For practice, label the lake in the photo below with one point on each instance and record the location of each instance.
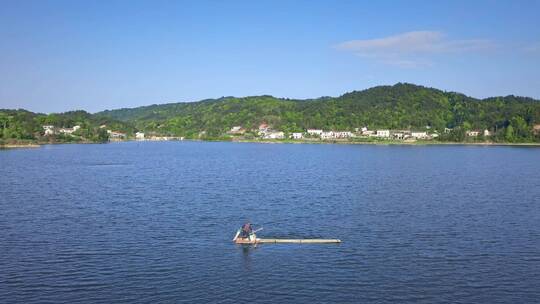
(145, 222)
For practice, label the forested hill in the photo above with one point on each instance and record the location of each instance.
(402, 106)
(22, 125)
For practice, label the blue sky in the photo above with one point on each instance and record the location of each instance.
(95, 55)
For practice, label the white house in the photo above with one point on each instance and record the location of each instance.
(473, 133)
(116, 135)
(297, 135)
(487, 133)
(314, 132)
(139, 136)
(368, 133)
(49, 130)
(69, 130)
(274, 135)
(419, 135)
(398, 135)
(342, 134)
(160, 138)
(327, 135)
(383, 133)
(237, 130)
(364, 129)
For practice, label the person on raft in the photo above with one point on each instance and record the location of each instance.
(247, 230)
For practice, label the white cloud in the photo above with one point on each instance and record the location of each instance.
(412, 49)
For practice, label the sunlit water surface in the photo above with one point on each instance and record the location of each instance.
(146, 222)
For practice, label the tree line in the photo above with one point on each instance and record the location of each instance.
(402, 106)
(23, 125)
(398, 107)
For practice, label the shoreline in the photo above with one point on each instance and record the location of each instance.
(19, 146)
(41, 144)
(390, 143)
(314, 142)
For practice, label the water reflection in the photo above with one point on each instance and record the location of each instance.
(247, 252)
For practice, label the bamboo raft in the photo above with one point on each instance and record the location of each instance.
(285, 241)
(253, 240)
(300, 241)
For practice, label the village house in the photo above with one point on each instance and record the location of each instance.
(398, 135)
(237, 130)
(49, 130)
(139, 136)
(263, 127)
(383, 133)
(69, 130)
(474, 133)
(274, 135)
(297, 135)
(368, 133)
(536, 129)
(116, 135)
(419, 135)
(447, 130)
(487, 133)
(160, 138)
(327, 135)
(342, 134)
(316, 132)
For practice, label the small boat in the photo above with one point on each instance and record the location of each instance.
(252, 239)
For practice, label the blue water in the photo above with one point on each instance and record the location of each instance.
(153, 222)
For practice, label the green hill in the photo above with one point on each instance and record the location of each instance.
(402, 106)
(25, 126)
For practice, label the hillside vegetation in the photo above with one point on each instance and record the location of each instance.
(402, 106)
(25, 126)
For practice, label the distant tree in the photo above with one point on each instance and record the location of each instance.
(509, 133)
(102, 135)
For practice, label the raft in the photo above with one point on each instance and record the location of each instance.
(253, 240)
(283, 241)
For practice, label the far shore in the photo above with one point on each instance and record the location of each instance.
(19, 146)
(286, 141)
(386, 143)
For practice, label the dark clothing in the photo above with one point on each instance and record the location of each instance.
(246, 230)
